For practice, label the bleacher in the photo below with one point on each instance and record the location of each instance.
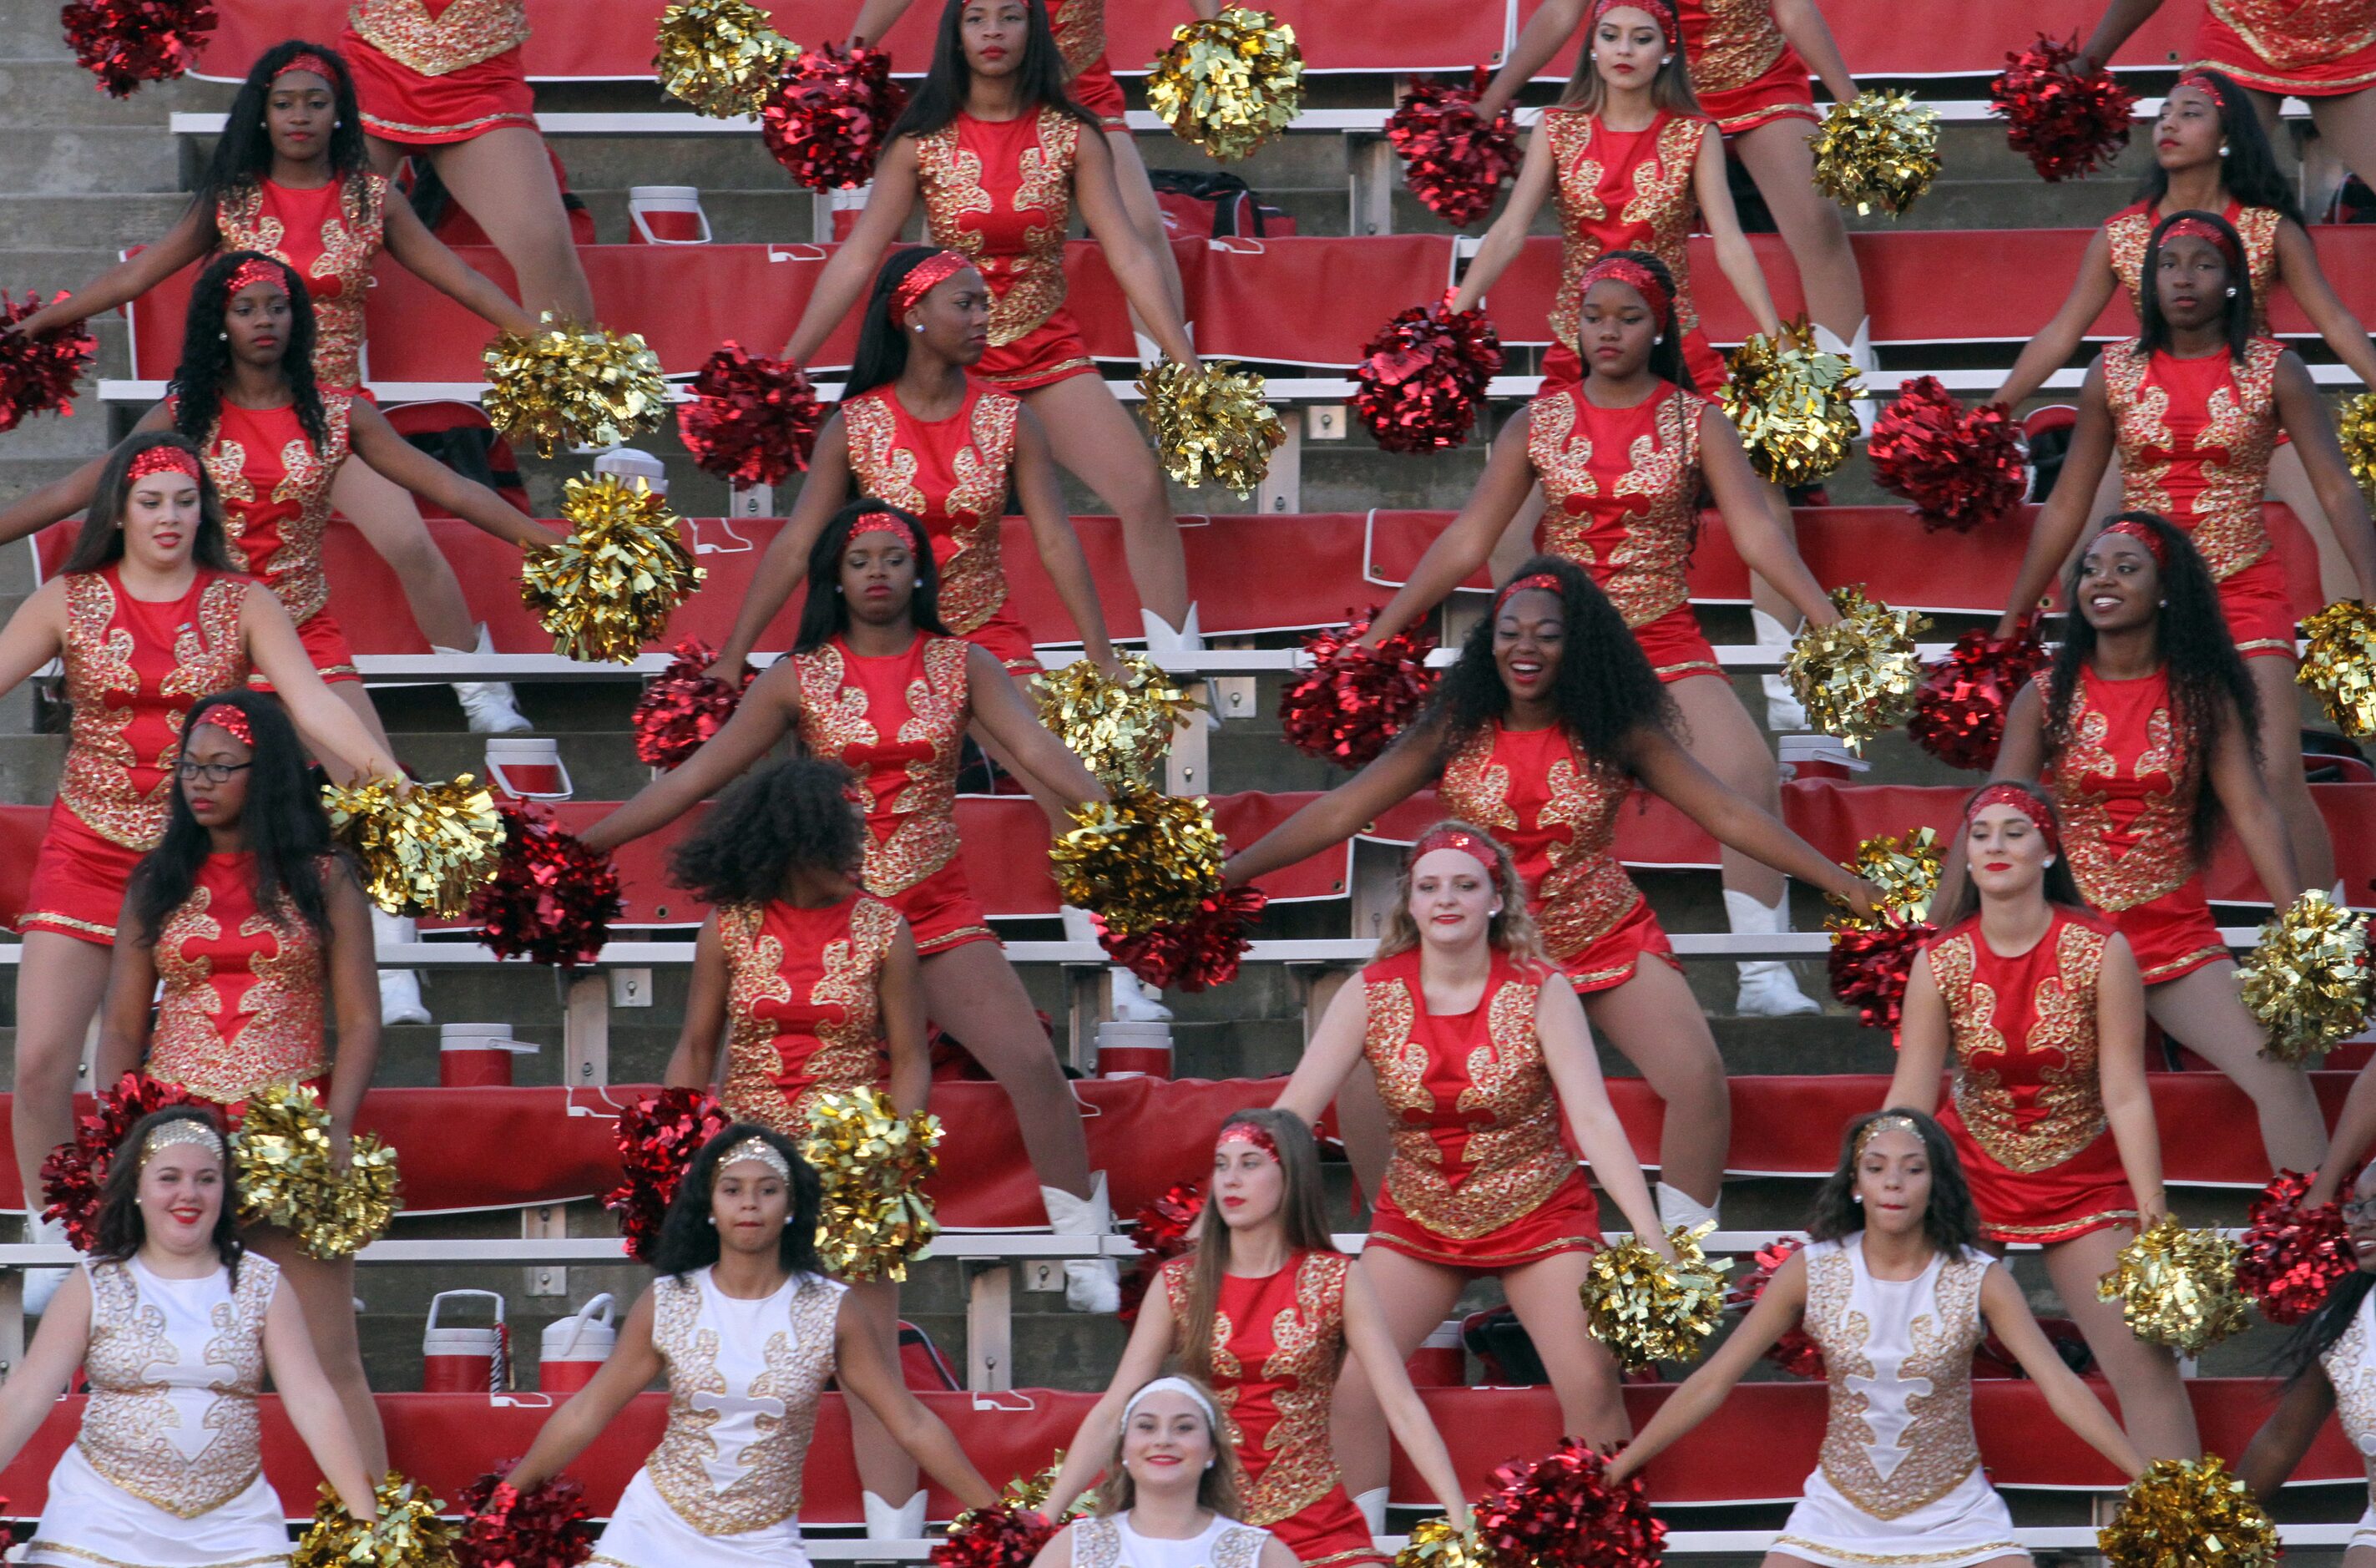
(1955, 289)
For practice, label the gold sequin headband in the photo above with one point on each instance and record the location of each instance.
(1894, 1123)
(758, 1150)
(180, 1130)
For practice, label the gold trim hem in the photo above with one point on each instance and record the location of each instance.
(2179, 967)
(372, 123)
(80, 1555)
(66, 924)
(1904, 1559)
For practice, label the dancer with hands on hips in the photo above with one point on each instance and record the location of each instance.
(2033, 1008)
(744, 1319)
(1172, 1494)
(1894, 1290)
(1265, 1310)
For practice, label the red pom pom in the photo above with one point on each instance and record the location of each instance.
(1190, 954)
(1562, 1512)
(38, 374)
(1161, 1234)
(752, 420)
(545, 1527)
(1960, 466)
(1353, 701)
(2065, 124)
(685, 707)
(1423, 377)
(1796, 1352)
(552, 897)
(73, 1173)
(125, 42)
(999, 1536)
(1959, 712)
(2294, 1257)
(829, 117)
(1452, 160)
(658, 1138)
(1871, 964)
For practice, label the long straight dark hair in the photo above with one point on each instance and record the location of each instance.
(1671, 88)
(2061, 888)
(882, 355)
(1950, 1222)
(2235, 322)
(824, 614)
(101, 541)
(206, 351)
(243, 154)
(1302, 1192)
(2248, 171)
(282, 821)
(941, 94)
(121, 1230)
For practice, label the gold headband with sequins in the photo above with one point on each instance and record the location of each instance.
(758, 1149)
(180, 1130)
(1894, 1123)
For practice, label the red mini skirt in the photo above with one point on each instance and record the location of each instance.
(79, 881)
(399, 104)
(1330, 1533)
(325, 649)
(1096, 90)
(1007, 641)
(1611, 959)
(2311, 68)
(1054, 350)
(2173, 935)
(2259, 611)
(2088, 1192)
(1567, 1221)
(1678, 649)
(943, 912)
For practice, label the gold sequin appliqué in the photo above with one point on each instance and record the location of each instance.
(2154, 854)
(1026, 286)
(849, 1047)
(1646, 571)
(2290, 34)
(2242, 431)
(882, 467)
(799, 1359)
(464, 33)
(1939, 1447)
(973, 579)
(2350, 1364)
(1080, 28)
(939, 708)
(1584, 890)
(125, 1423)
(1309, 1341)
(754, 974)
(1741, 45)
(97, 784)
(2070, 1096)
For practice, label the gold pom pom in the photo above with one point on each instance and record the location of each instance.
(1230, 84)
(1881, 149)
(611, 586)
(568, 385)
(1862, 674)
(1435, 1544)
(407, 1534)
(2306, 982)
(289, 1175)
(1120, 730)
(2178, 1288)
(1793, 404)
(1647, 1310)
(1906, 874)
(873, 1162)
(423, 852)
(2357, 426)
(2188, 1514)
(1140, 860)
(2340, 665)
(1210, 421)
(720, 57)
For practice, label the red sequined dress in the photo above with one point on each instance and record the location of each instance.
(1481, 1177)
(241, 1008)
(898, 721)
(1743, 71)
(2308, 48)
(1621, 499)
(2025, 1102)
(133, 668)
(429, 72)
(2195, 438)
(1277, 1342)
(803, 1004)
(1080, 29)
(275, 484)
(1000, 192)
(1623, 191)
(330, 234)
(2126, 791)
(1555, 809)
(953, 473)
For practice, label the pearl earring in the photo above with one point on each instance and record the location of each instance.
(919, 326)
(1859, 1196)
(2231, 290)
(1658, 337)
(2223, 150)
(223, 337)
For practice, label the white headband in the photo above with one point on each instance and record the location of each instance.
(1175, 1385)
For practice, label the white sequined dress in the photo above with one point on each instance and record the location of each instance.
(2350, 1364)
(1110, 1542)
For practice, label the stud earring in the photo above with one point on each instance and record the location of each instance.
(1859, 1196)
(1657, 337)
(2231, 290)
(223, 337)
(919, 326)
(2223, 150)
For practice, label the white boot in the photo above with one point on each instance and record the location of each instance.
(1091, 1283)
(1769, 988)
(1783, 713)
(400, 990)
(1135, 1001)
(1678, 1207)
(42, 1284)
(490, 706)
(1170, 647)
(885, 1523)
(1857, 351)
(1373, 1504)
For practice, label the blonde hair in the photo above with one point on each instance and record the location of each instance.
(1511, 932)
(1671, 88)
(1299, 1214)
(1218, 1489)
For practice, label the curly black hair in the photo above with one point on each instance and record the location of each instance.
(1666, 353)
(205, 352)
(1950, 1221)
(2235, 322)
(688, 1239)
(2249, 171)
(824, 614)
(2207, 679)
(788, 815)
(243, 154)
(1040, 77)
(2061, 888)
(121, 1231)
(100, 543)
(1603, 689)
(287, 834)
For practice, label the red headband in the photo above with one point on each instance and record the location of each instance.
(163, 459)
(921, 278)
(882, 521)
(1248, 1132)
(2201, 79)
(231, 722)
(308, 60)
(2022, 801)
(1637, 276)
(1516, 586)
(1476, 846)
(257, 270)
(1662, 13)
(2130, 527)
(2222, 239)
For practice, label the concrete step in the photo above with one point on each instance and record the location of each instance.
(85, 220)
(46, 160)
